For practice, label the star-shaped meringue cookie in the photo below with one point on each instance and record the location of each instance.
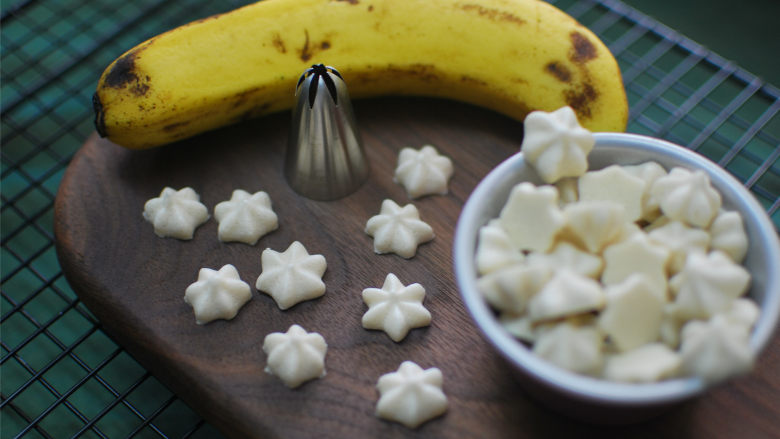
(566, 294)
(681, 240)
(637, 254)
(567, 256)
(217, 294)
(531, 216)
(176, 214)
(245, 217)
(594, 223)
(616, 185)
(555, 144)
(572, 347)
(495, 249)
(729, 236)
(633, 314)
(509, 289)
(292, 276)
(398, 229)
(423, 172)
(687, 196)
(395, 308)
(411, 395)
(295, 356)
(716, 349)
(709, 283)
(645, 364)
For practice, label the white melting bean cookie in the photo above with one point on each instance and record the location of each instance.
(649, 172)
(567, 293)
(634, 275)
(218, 294)
(573, 347)
(398, 229)
(176, 214)
(633, 314)
(647, 363)
(687, 196)
(245, 217)
(568, 256)
(411, 395)
(295, 356)
(716, 348)
(531, 218)
(594, 223)
(616, 185)
(495, 249)
(709, 283)
(395, 308)
(556, 145)
(423, 172)
(728, 235)
(291, 276)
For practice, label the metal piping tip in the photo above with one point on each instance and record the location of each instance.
(325, 158)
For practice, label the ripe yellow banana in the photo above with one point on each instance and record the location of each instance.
(511, 56)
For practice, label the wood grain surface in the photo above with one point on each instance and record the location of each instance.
(134, 283)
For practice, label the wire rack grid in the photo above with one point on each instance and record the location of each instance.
(62, 376)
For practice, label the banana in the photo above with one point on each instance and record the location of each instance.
(510, 56)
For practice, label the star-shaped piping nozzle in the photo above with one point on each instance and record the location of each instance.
(325, 159)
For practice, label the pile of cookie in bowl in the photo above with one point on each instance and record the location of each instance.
(617, 270)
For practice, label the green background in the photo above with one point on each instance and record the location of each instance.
(744, 31)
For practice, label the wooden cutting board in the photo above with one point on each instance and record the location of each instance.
(134, 282)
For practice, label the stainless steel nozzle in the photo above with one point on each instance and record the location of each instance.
(325, 158)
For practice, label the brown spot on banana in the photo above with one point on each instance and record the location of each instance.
(305, 54)
(309, 49)
(472, 80)
(492, 14)
(278, 43)
(582, 95)
(244, 97)
(392, 74)
(252, 113)
(582, 50)
(123, 75)
(581, 98)
(351, 2)
(175, 126)
(424, 72)
(122, 72)
(558, 70)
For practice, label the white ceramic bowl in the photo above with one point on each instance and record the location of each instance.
(589, 398)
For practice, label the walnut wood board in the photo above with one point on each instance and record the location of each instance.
(134, 282)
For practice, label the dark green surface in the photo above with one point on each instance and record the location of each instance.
(62, 373)
(746, 32)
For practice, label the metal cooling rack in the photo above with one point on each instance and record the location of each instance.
(62, 376)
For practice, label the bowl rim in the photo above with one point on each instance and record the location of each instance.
(592, 388)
